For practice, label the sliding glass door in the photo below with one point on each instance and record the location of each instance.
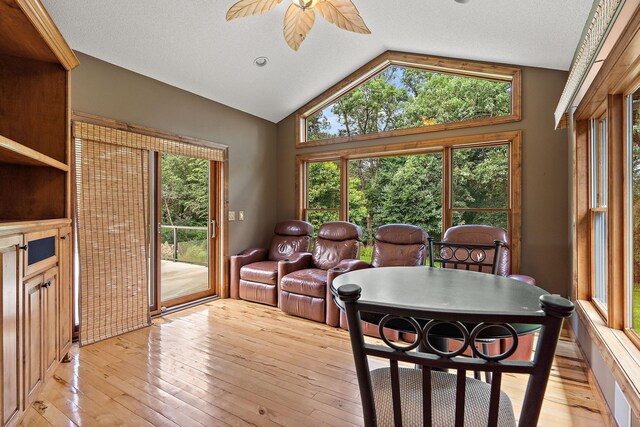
(184, 230)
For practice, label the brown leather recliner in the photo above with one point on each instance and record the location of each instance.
(485, 234)
(304, 277)
(254, 272)
(396, 245)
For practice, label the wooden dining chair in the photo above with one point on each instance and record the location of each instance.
(398, 395)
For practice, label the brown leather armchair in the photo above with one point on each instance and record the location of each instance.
(304, 277)
(395, 245)
(254, 272)
(484, 234)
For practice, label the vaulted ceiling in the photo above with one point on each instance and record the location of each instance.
(189, 44)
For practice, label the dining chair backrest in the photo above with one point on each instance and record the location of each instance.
(483, 235)
(466, 256)
(397, 395)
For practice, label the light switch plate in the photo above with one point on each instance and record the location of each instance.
(240, 215)
(232, 215)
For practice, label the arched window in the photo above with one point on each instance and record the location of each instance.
(400, 94)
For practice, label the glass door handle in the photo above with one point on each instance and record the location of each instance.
(213, 228)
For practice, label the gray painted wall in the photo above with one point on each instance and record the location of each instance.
(103, 89)
(545, 229)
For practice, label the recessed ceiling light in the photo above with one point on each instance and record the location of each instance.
(261, 61)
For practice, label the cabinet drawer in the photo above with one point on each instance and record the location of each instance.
(41, 251)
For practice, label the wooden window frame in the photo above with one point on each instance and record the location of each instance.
(613, 76)
(512, 139)
(597, 204)
(430, 63)
(626, 299)
(616, 207)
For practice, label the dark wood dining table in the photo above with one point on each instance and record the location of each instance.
(444, 290)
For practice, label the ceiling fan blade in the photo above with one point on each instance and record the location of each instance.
(297, 24)
(344, 14)
(250, 7)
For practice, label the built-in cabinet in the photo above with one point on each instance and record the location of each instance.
(32, 337)
(65, 293)
(35, 203)
(37, 322)
(10, 276)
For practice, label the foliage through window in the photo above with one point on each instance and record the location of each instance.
(323, 193)
(411, 189)
(410, 93)
(481, 186)
(184, 203)
(400, 98)
(399, 189)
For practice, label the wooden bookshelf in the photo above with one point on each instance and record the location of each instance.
(14, 153)
(35, 203)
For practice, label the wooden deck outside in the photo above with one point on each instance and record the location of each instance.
(231, 362)
(181, 278)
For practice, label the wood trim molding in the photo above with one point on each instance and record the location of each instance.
(590, 45)
(617, 71)
(40, 19)
(621, 356)
(18, 227)
(582, 254)
(515, 221)
(143, 130)
(432, 63)
(413, 147)
(615, 214)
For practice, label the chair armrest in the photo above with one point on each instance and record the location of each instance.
(332, 314)
(523, 278)
(248, 256)
(345, 266)
(296, 261)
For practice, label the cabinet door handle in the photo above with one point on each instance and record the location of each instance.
(47, 284)
(24, 248)
(64, 237)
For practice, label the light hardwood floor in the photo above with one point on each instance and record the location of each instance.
(235, 363)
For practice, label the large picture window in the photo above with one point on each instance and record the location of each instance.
(399, 94)
(434, 185)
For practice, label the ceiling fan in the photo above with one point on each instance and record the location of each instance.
(300, 16)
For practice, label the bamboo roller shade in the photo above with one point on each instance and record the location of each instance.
(112, 206)
(109, 135)
(112, 190)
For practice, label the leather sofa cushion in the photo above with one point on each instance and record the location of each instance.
(339, 230)
(485, 235)
(401, 234)
(258, 292)
(303, 306)
(311, 282)
(391, 255)
(328, 253)
(261, 272)
(283, 246)
(294, 228)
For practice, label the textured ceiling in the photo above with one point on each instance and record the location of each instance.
(188, 43)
